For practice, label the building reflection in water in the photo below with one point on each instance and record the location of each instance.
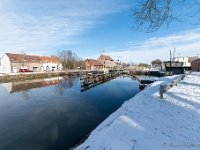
(30, 84)
(61, 84)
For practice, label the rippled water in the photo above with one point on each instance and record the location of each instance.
(53, 114)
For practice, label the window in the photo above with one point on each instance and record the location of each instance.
(15, 59)
(33, 60)
(47, 61)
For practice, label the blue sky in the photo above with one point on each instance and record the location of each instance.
(89, 27)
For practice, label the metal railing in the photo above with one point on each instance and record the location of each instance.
(165, 88)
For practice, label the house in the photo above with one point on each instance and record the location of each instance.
(13, 63)
(107, 61)
(50, 63)
(195, 65)
(186, 61)
(92, 64)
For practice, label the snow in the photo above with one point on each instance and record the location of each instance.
(147, 122)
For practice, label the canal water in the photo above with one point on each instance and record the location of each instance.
(56, 114)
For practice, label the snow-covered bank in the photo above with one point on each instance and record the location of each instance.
(147, 122)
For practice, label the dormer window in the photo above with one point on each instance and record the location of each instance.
(33, 60)
(15, 59)
(47, 61)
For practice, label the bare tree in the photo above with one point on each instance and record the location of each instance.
(144, 65)
(156, 63)
(150, 15)
(69, 59)
(23, 60)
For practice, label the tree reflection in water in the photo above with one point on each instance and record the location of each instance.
(25, 94)
(67, 82)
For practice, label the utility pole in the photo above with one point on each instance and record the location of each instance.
(170, 57)
(174, 54)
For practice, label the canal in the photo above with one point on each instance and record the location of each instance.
(54, 114)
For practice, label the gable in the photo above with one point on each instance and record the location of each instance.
(94, 62)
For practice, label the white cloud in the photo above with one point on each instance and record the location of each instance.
(42, 24)
(185, 43)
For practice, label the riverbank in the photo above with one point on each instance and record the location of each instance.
(14, 77)
(148, 122)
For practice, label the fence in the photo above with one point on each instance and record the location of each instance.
(165, 88)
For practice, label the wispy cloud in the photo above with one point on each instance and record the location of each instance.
(44, 24)
(185, 43)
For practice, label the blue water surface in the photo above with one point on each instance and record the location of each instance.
(54, 114)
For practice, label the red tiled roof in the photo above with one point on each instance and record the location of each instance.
(49, 59)
(94, 62)
(16, 58)
(19, 58)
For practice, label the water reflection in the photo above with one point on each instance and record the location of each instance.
(30, 84)
(24, 87)
(57, 115)
(65, 84)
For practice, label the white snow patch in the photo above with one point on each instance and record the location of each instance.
(147, 122)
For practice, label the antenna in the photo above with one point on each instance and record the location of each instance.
(174, 53)
(170, 57)
(170, 54)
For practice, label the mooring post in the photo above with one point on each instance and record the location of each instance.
(161, 91)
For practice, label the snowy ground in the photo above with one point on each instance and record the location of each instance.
(147, 122)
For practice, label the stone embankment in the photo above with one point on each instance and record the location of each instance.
(28, 76)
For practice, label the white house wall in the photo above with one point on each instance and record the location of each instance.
(5, 64)
(185, 61)
(50, 66)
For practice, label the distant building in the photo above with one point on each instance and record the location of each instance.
(173, 67)
(50, 63)
(12, 63)
(186, 61)
(195, 65)
(92, 64)
(107, 61)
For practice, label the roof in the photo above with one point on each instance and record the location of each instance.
(21, 57)
(29, 58)
(94, 62)
(106, 57)
(196, 61)
(49, 59)
(192, 59)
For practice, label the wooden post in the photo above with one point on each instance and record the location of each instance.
(161, 91)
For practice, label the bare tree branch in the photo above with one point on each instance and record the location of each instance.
(150, 15)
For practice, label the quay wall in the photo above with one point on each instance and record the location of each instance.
(28, 76)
